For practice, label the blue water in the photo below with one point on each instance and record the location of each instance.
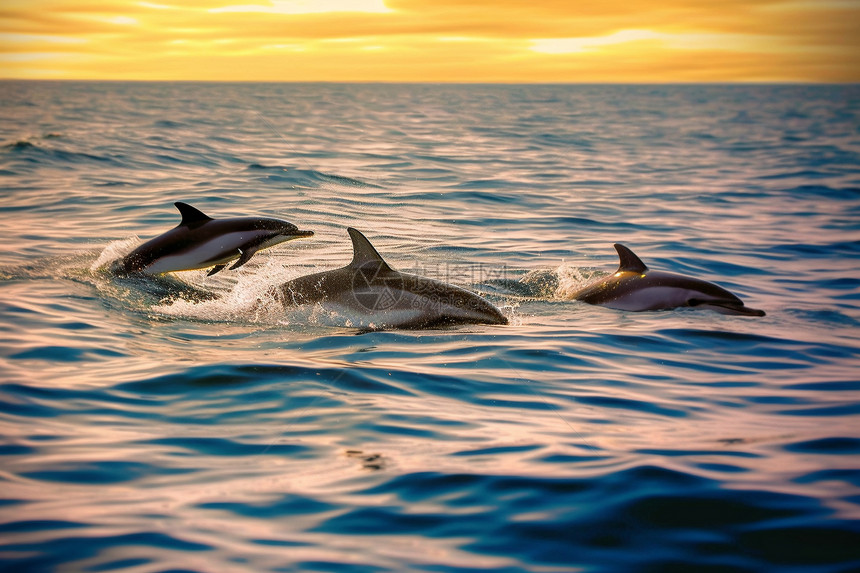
(146, 431)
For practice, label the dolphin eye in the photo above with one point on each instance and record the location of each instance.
(694, 302)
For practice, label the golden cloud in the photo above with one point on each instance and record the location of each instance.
(432, 40)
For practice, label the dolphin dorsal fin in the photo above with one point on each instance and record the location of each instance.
(363, 253)
(191, 215)
(628, 260)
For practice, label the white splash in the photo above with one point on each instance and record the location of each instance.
(115, 250)
(571, 279)
(245, 295)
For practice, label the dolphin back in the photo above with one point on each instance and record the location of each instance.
(191, 216)
(628, 261)
(634, 287)
(363, 253)
(200, 242)
(372, 295)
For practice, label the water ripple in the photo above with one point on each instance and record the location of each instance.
(188, 423)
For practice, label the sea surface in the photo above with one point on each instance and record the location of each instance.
(144, 430)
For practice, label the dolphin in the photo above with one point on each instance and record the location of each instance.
(200, 242)
(381, 297)
(634, 287)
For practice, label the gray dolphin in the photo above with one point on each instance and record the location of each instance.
(379, 297)
(200, 242)
(634, 287)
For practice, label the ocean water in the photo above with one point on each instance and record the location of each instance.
(145, 430)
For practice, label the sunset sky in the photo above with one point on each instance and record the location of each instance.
(433, 40)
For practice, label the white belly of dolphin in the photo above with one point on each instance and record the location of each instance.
(215, 251)
(353, 318)
(383, 307)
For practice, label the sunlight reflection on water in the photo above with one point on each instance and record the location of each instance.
(144, 430)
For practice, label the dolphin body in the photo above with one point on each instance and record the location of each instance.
(634, 287)
(200, 242)
(383, 298)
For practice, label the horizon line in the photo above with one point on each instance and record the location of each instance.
(460, 82)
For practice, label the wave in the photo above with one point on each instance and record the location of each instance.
(308, 178)
(643, 517)
(34, 151)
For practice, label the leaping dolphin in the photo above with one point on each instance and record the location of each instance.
(634, 287)
(200, 242)
(375, 296)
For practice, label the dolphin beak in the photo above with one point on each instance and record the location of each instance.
(734, 308)
(297, 234)
(747, 311)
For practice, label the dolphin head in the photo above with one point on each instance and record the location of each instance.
(656, 290)
(723, 302)
(478, 311)
(284, 230)
(449, 304)
(661, 290)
